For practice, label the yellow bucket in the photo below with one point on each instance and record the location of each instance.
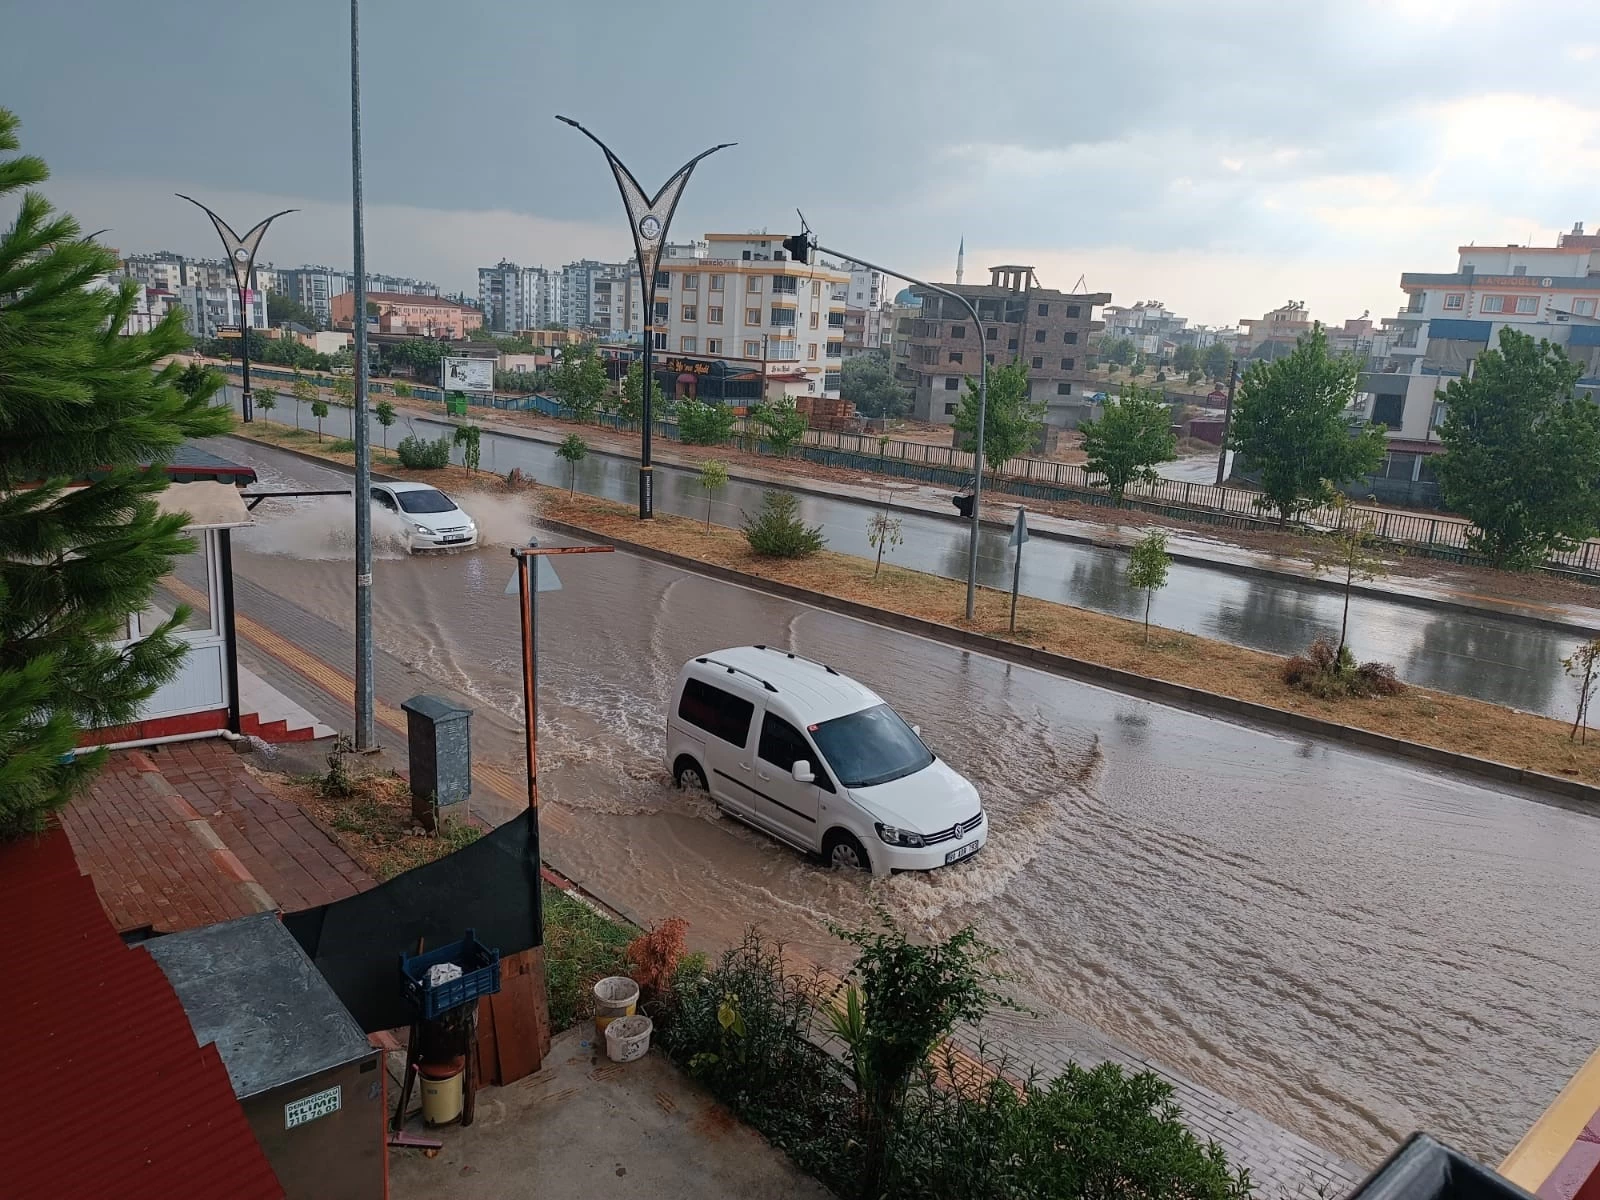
(615, 996)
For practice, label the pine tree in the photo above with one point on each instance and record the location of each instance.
(77, 397)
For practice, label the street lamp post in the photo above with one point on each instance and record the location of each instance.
(799, 247)
(242, 257)
(650, 217)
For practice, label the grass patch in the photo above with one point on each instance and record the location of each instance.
(580, 947)
(342, 446)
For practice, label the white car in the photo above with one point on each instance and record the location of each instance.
(818, 760)
(432, 520)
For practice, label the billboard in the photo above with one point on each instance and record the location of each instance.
(468, 374)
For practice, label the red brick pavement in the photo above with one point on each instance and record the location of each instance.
(182, 835)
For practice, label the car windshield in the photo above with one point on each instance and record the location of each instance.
(870, 747)
(429, 501)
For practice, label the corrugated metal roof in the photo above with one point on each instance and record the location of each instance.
(112, 1097)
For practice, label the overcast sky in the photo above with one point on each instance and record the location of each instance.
(1223, 157)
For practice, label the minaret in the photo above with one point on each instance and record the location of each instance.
(961, 255)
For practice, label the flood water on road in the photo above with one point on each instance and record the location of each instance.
(1472, 654)
(1353, 947)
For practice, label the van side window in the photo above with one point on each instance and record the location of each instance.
(782, 745)
(719, 713)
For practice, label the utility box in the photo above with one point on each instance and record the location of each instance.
(439, 745)
(310, 1083)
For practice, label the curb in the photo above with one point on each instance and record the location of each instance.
(1247, 570)
(1112, 677)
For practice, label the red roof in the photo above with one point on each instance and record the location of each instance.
(111, 1095)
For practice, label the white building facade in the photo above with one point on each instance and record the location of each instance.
(208, 310)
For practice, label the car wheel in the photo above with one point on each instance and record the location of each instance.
(843, 852)
(688, 776)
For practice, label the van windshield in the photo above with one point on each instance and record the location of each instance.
(870, 747)
(429, 501)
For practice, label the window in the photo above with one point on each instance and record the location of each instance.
(958, 331)
(716, 283)
(664, 280)
(713, 345)
(1072, 310)
(1455, 299)
(831, 381)
(1527, 304)
(816, 289)
(689, 345)
(659, 340)
(871, 747)
(1583, 308)
(782, 317)
(1038, 362)
(691, 281)
(1038, 335)
(835, 349)
(752, 316)
(1068, 363)
(951, 383)
(714, 314)
(782, 746)
(691, 312)
(1388, 410)
(785, 285)
(1519, 270)
(836, 320)
(955, 356)
(721, 714)
(950, 408)
(1063, 389)
(991, 333)
(1012, 344)
(752, 349)
(1492, 304)
(815, 318)
(753, 285)
(1044, 310)
(1070, 338)
(663, 308)
(811, 352)
(989, 358)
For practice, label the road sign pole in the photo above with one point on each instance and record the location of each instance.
(1019, 536)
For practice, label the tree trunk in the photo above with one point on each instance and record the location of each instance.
(879, 567)
(1148, 593)
(1344, 623)
(572, 478)
(708, 511)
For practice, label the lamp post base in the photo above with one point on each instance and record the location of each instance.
(247, 406)
(647, 507)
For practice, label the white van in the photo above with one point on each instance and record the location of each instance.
(818, 760)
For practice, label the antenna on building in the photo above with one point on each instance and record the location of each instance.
(961, 259)
(1081, 288)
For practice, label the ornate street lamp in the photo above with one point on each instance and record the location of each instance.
(650, 218)
(241, 253)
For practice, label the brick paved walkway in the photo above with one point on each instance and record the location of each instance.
(183, 835)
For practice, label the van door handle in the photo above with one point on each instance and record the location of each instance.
(762, 775)
(744, 766)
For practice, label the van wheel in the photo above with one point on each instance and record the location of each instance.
(842, 852)
(686, 773)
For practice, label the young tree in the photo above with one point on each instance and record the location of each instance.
(782, 425)
(469, 438)
(266, 399)
(1580, 665)
(777, 530)
(1119, 350)
(1521, 449)
(1185, 359)
(1215, 360)
(1147, 570)
(344, 387)
(580, 381)
(1349, 551)
(385, 414)
(1193, 377)
(402, 391)
(1291, 423)
(573, 451)
(1133, 434)
(701, 424)
(630, 406)
(198, 379)
(282, 307)
(319, 409)
(713, 478)
(883, 531)
(867, 381)
(1011, 423)
(304, 392)
(78, 402)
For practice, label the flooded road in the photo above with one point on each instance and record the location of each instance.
(1353, 947)
(1471, 654)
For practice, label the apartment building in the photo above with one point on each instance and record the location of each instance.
(1153, 328)
(736, 309)
(210, 310)
(501, 297)
(866, 298)
(937, 350)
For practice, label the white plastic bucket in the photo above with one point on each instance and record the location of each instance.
(615, 996)
(628, 1038)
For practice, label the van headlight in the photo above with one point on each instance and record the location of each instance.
(898, 837)
(422, 529)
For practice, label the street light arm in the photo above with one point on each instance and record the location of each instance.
(983, 406)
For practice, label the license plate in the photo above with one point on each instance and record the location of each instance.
(456, 537)
(961, 852)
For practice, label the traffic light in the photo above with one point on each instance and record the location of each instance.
(799, 247)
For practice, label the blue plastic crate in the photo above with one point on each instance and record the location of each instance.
(480, 976)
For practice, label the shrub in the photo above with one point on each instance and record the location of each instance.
(1331, 674)
(654, 956)
(416, 454)
(702, 424)
(342, 446)
(778, 532)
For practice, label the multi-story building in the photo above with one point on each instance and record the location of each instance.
(865, 298)
(1153, 329)
(937, 349)
(162, 270)
(737, 310)
(1274, 334)
(314, 288)
(1549, 292)
(208, 310)
(502, 297)
(414, 315)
